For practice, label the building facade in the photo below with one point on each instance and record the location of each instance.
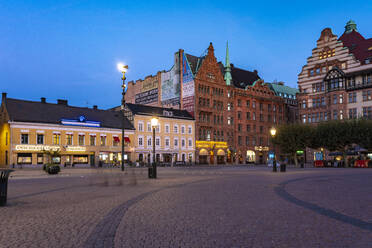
(229, 128)
(174, 135)
(86, 136)
(336, 82)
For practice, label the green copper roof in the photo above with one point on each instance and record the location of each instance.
(282, 90)
(350, 26)
(228, 76)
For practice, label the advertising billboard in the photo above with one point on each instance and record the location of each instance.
(149, 91)
(170, 86)
(188, 87)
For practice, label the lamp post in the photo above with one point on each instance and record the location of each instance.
(154, 124)
(123, 69)
(273, 133)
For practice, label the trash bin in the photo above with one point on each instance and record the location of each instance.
(4, 175)
(283, 167)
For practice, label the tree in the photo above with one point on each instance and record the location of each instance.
(293, 137)
(51, 154)
(337, 135)
(364, 134)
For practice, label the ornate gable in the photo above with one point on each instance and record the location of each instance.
(210, 70)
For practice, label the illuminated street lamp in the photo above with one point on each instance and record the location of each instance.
(273, 133)
(154, 124)
(123, 69)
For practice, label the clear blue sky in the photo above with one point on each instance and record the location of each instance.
(69, 49)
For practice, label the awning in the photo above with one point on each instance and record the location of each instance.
(116, 139)
(126, 139)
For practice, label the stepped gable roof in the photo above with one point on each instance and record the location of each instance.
(158, 111)
(194, 62)
(39, 112)
(358, 45)
(241, 78)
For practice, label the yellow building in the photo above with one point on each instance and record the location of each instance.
(30, 131)
(174, 135)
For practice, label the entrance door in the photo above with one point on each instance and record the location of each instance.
(92, 160)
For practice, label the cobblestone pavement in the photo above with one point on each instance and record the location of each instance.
(191, 207)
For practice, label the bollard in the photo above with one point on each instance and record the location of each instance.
(4, 175)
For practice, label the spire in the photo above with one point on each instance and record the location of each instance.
(350, 26)
(227, 77)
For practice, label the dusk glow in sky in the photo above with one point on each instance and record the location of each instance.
(69, 49)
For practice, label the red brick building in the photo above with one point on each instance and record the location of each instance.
(233, 108)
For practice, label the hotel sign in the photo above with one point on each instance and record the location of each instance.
(211, 144)
(36, 148)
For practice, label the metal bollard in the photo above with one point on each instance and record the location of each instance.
(4, 175)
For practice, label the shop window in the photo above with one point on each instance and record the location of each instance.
(24, 158)
(80, 159)
(24, 138)
(40, 139)
(40, 158)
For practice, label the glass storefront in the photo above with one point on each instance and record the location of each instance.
(80, 159)
(24, 158)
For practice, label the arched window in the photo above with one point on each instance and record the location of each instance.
(335, 79)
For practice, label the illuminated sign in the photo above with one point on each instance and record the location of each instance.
(80, 121)
(75, 149)
(211, 144)
(36, 148)
(261, 148)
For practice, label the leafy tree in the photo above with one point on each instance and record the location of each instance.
(293, 137)
(51, 154)
(364, 134)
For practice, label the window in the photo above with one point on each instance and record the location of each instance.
(140, 126)
(24, 138)
(253, 104)
(56, 139)
(311, 72)
(322, 101)
(352, 113)
(335, 114)
(183, 129)
(69, 139)
(239, 115)
(248, 103)
(367, 112)
(261, 129)
(157, 141)
(149, 129)
(166, 128)
(230, 120)
(183, 143)
(40, 158)
(261, 106)
(248, 128)
(190, 142)
(239, 140)
(176, 142)
(92, 140)
(303, 118)
(367, 95)
(149, 139)
(254, 116)
(140, 141)
(175, 128)
(341, 98)
(335, 99)
(81, 140)
(239, 103)
(304, 104)
(103, 140)
(239, 127)
(40, 139)
(317, 70)
(248, 115)
(166, 142)
(190, 129)
(246, 140)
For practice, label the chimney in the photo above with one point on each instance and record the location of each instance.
(62, 102)
(95, 107)
(3, 97)
(43, 100)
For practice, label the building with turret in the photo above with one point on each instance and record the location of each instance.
(336, 81)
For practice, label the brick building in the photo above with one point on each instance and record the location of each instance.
(232, 107)
(336, 82)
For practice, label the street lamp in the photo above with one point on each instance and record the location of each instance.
(154, 124)
(273, 133)
(123, 69)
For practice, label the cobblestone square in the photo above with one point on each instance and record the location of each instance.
(189, 207)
